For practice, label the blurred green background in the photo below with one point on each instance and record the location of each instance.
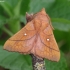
(12, 19)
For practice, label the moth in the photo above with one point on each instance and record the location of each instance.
(36, 37)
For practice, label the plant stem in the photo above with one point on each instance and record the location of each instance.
(37, 63)
(7, 31)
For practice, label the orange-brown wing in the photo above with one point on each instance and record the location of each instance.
(46, 46)
(22, 41)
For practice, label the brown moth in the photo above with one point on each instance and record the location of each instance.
(35, 38)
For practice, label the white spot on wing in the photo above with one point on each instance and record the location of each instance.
(48, 39)
(25, 34)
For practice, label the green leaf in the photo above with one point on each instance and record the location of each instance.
(12, 3)
(7, 8)
(1, 10)
(24, 7)
(61, 65)
(16, 61)
(2, 21)
(37, 5)
(61, 24)
(60, 9)
(17, 8)
(23, 19)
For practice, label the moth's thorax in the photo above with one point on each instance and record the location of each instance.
(41, 23)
